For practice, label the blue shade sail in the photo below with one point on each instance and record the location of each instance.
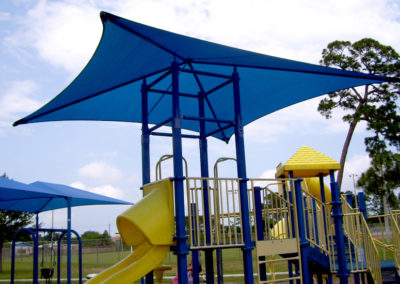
(108, 88)
(41, 196)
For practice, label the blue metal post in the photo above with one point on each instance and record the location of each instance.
(69, 274)
(302, 231)
(145, 136)
(349, 199)
(146, 151)
(337, 215)
(361, 204)
(209, 261)
(181, 247)
(241, 171)
(260, 229)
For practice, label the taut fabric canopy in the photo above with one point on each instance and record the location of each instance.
(108, 88)
(41, 196)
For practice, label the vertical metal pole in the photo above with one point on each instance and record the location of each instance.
(349, 199)
(260, 229)
(146, 151)
(69, 242)
(181, 247)
(241, 172)
(361, 204)
(339, 234)
(145, 136)
(302, 232)
(209, 260)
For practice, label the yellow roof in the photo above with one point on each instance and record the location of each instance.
(307, 162)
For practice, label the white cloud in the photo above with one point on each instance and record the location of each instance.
(106, 190)
(65, 33)
(17, 100)
(356, 165)
(100, 171)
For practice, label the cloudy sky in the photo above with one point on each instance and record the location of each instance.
(45, 44)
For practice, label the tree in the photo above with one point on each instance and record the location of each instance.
(10, 223)
(374, 104)
(380, 182)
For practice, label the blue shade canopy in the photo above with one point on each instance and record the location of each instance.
(11, 192)
(108, 88)
(42, 196)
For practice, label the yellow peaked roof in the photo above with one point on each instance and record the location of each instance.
(307, 162)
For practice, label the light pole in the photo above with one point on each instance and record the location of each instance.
(354, 188)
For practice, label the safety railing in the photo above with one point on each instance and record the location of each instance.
(219, 224)
(279, 230)
(371, 252)
(316, 221)
(277, 210)
(395, 224)
(362, 253)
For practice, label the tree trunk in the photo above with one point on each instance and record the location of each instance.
(350, 132)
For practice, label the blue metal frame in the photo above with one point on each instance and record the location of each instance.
(241, 172)
(34, 232)
(337, 215)
(181, 246)
(181, 249)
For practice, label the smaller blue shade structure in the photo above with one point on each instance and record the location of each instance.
(108, 88)
(12, 192)
(42, 196)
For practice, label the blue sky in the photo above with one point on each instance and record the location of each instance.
(45, 44)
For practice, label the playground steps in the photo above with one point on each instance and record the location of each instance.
(390, 274)
(272, 252)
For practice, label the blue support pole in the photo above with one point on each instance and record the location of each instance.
(302, 230)
(69, 274)
(260, 229)
(181, 247)
(209, 260)
(241, 171)
(337, 215)
(349, 198)
(146, 152)
(361, 204)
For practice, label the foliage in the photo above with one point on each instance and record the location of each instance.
(94, 238)
(375, 104)
(380, 181)
(10, 223)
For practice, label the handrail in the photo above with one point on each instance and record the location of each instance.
(164, 158)
(316, 221)
(395, 220)
(371, 252)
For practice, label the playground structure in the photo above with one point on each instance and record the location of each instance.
(146, 75)
(293, 220)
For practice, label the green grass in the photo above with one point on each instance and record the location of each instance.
(94, 263)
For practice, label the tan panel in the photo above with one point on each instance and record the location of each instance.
(275, 247)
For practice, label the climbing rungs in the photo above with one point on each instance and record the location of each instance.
(276, 247)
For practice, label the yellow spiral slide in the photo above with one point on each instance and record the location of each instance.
(149, 227)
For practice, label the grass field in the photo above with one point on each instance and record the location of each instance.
(94, 263)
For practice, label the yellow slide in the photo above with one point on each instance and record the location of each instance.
(149, 227)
